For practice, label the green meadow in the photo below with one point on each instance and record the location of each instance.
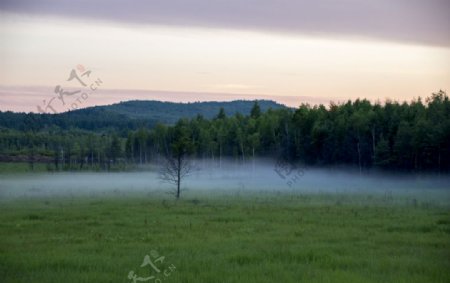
(225, 238)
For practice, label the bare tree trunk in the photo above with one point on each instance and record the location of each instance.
(31, 159)
(253, 161)
(178, 177)
(415, 162)
(373, 142)
(286, 129)
(62, 158)
(220, 155)
(439, 160)
(359, 158)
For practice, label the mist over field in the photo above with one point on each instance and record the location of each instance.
(229, 177)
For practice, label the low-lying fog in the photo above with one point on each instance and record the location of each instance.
(263, 176)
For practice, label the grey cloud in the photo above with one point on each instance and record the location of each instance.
(418, 21)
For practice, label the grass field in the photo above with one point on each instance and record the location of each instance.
(252, 238)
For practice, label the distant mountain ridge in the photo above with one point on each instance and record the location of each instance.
(130, 114)
(170, 112)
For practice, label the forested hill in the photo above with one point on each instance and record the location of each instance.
(170, 113)
(128, 115)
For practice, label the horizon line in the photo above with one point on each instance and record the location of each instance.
(220, 97)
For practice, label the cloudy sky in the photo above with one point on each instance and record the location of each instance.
(189, 50)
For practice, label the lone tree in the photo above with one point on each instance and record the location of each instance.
(177, 165)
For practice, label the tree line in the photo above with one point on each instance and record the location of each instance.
(393, 136)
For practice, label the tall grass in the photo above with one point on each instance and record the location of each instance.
(252, 238)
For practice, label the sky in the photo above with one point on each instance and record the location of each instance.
(292, 52)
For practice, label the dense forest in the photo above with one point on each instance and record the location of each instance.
(394, 136)
(128, 115)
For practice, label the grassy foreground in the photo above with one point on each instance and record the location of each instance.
(267, 238)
